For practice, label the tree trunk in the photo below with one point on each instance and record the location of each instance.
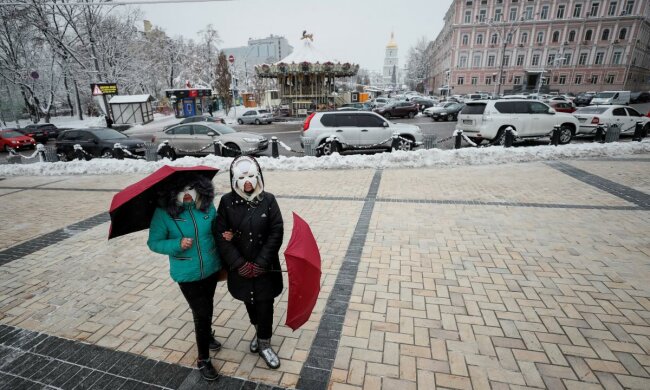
(78, 100)
(67, 94)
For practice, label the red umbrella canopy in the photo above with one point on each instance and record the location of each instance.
(132, 208)
(303, 265)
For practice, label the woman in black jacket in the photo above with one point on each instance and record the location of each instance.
(251, 257)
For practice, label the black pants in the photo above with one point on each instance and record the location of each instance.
(261, 314)
(200, 296)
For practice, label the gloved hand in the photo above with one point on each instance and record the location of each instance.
(257, 270)
(250, 270)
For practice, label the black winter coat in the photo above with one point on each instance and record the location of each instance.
(257, 236)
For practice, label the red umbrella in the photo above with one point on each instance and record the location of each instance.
(133, 207)
(303, 265)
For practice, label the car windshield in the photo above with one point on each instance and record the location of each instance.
(109, 134)
(221, 128)
(604, 95)
(263, 111)
(11, 134)
(591, 110)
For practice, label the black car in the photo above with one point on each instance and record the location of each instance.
(583, 99)
(40, 132)
(99, 142)
(422, 103)
(640, 97)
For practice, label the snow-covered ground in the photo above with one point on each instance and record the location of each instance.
(414, 159)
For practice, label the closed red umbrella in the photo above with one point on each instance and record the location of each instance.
(132, 208)
(303, 265)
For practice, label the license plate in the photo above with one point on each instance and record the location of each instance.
(467, 121)
(139, 150)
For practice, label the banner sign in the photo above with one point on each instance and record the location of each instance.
(103, 89)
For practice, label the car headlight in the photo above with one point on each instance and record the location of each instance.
(251, 140)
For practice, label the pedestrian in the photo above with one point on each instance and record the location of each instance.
(109, 121)
(254, 275)
(210, 107)
(182, 228)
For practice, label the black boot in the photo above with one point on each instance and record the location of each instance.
(254, 347)
(214, 344)
(268, 354)
(207, 370)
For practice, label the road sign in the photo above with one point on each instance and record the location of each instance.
(104, 89)
(231, 58)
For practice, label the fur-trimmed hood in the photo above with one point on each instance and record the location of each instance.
(203, 186)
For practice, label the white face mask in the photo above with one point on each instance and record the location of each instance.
(244, 171)
(189, 190)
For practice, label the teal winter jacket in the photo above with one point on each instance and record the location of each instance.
(165, 234)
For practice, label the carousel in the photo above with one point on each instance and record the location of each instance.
(306, 78)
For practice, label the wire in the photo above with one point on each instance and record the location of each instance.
(109, 3)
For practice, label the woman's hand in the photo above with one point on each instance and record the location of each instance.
(227, 235)
(186, 243)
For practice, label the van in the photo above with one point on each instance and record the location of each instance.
(611, 97)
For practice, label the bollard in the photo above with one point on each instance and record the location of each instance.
(336, 145)
(40, 149)
(118, 152)
(459, 138)
(510, 137)
(600, 134)
(275, 153)
(166, 151)
(555, 135)
(613, 133)
(395, 142)
(79, 152)
(638, 132)
(217, 148)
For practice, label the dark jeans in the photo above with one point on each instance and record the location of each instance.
(200, 296)
(261, 314)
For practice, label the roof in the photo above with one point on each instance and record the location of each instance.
(392, 44)
(125, 99)
(306, 52)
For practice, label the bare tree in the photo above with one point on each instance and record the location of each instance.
(223, 81)
(417, 65)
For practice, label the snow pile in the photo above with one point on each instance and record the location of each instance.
(414, 159)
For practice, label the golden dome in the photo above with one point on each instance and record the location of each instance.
(392, 44)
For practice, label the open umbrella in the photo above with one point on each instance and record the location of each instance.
(132, 208)
(303, 264)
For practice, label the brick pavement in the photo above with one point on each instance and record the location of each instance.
(424, 291)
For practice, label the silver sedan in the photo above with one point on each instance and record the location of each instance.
(255, 116)
(198, 139)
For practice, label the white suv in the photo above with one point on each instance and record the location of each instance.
(357, 129)
(488, 119)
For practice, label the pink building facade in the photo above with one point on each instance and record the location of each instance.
(542, 45)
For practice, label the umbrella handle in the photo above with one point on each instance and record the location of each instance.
(276, 270)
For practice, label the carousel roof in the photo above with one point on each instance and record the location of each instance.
(306, 52)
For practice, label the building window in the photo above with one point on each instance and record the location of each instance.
(629, 8)
(578, 79)
(461, 80)
(556, 36)
(609, 79)
(605, 35)
(616, 58)
(599, 58)
(594, 79)
(506, 60)
(528, 15)
(474, 80)
(494, 39)
(535, 60)
(462, 63)
(595, 7)
(540, 37)
(550, 59)
(498, 14)
(479, 39)
(577, 10)
(465, 39)
(490, 61)
(517, 80)
(582, 60)
(488, 80)
(477, 61)
(513, 14)
(544, 13)
(588, 35)
(612, 8)
(482, 15)
(567, 59)
(468, 2)
(468, 16)
(622, 34)
(562, 80)
(524, 37)
(520, 60)
(560, 11)
(572, 35)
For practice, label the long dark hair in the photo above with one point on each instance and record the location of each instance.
(201, 184)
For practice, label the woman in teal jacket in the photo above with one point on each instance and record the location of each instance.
(182, 229)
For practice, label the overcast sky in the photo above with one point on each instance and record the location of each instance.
(349, 30)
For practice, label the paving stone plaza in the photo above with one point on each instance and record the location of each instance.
(530, 275)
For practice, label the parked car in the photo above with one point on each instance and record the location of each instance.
(444, 111)
(98, 142)
(358, 129)
(422, 102)
(401, 108)
(640, 97)
(379, 101)
(584, 99)
(41, 132)
(11, 138)
(198, 138)
(625, 117)
(255, 116)
(355, 107)
(611, 97)
(198, 118)
(561, 105)
(488, 120)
